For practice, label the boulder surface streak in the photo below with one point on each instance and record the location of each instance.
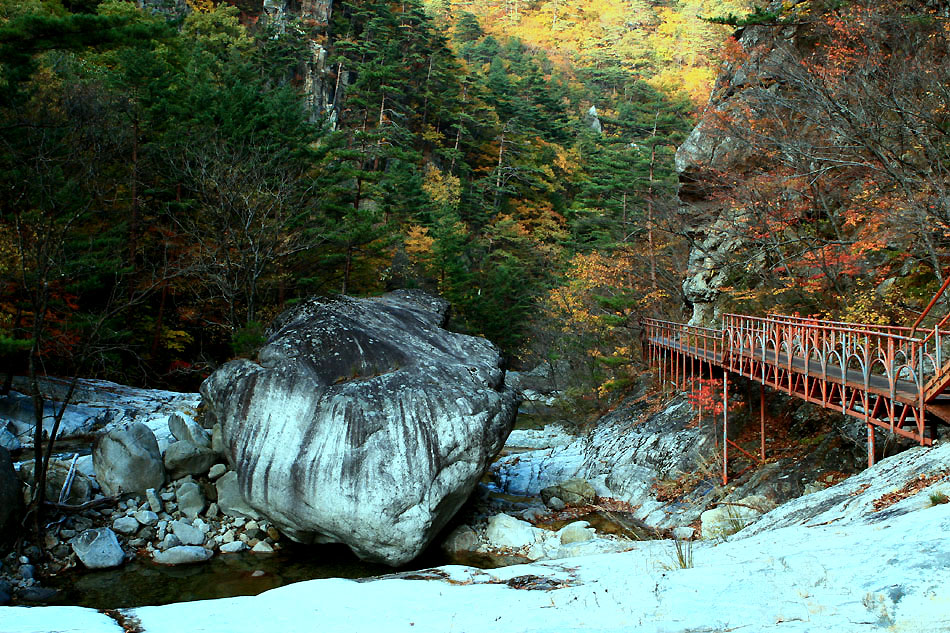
(363, 422)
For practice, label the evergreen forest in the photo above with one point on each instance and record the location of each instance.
(174, 174)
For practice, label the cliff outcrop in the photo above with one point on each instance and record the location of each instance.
(816, 177)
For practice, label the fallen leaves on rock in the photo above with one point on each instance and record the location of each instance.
(604, 504)
(535, 583)
(909, 489)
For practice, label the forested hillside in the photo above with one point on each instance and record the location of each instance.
(817, 177)
(175, 175)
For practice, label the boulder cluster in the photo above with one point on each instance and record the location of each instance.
(180, 507)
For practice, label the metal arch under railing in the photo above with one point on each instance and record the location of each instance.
(862, 347)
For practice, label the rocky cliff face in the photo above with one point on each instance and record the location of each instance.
(310, 19)
(715, 156)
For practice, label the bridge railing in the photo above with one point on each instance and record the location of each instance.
(707, 341)
(836, 347)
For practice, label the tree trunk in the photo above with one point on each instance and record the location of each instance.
(652, 253)
(134, 224)
(501, 153)
(346, 269)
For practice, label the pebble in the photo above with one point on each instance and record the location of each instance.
(24, 560)
(212, 511)
(188, 534)
(228, 537)
(262, 547)
(169, 542)
(167, 495)
(125, 525)
(27, 571)
(216, 471)
(273, 533)
(191, 501)
(146, 517)
(98, 548)
(233, 547)
(239, 522)
(154, 503)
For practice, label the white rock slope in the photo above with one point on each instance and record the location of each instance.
(840, 568)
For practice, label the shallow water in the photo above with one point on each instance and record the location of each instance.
(142, 582)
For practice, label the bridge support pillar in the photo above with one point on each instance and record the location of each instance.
(870, 444)
(725, 428)
(762, 421)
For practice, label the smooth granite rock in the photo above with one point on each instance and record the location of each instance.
(363, 422)
(182, 555)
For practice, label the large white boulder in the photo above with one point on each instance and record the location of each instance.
(363, 422)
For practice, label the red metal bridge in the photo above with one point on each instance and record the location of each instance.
(893, 378)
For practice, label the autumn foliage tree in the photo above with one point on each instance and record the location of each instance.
(847, 123)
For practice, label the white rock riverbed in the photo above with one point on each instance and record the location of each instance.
(839, 566)
(96, 406)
